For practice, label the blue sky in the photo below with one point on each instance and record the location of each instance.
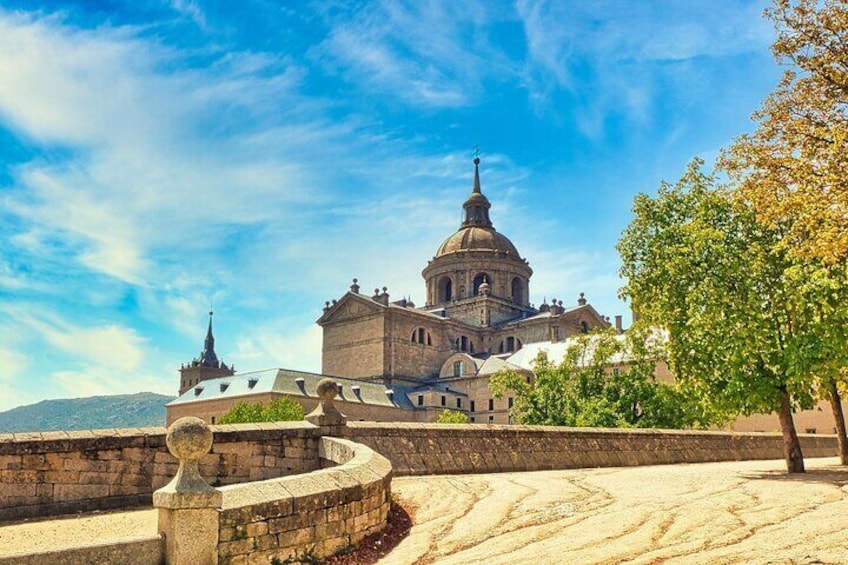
(156, 156)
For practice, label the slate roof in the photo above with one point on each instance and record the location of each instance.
(285, 381)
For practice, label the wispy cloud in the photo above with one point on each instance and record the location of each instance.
(191, 10)
(611, 56)
(429, 54)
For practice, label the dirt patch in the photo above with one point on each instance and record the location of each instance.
(376, 546)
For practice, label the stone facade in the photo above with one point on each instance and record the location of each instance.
(478, 303)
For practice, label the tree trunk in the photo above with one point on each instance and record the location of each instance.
(791, 445)
(839, 418)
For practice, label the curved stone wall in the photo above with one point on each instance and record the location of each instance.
(316, 514)
(62, 472)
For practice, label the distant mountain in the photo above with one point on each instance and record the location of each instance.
(119, 411)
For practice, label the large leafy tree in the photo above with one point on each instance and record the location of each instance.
(278, 410)
(792, 168)
(750, 325)
(604, 380)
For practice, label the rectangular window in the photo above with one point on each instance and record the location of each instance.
(473, 408)
(213, 419)
(491, 419)
(528, 379)
(444, 400)
(472, 419)
(420, 335)
(457, 368)
(420, 400)
(615, 371)
(459, 403)
(556, 333)
(510, 402)
(491, 404)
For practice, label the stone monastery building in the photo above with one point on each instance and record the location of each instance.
(397, 361)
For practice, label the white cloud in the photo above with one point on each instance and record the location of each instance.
(94, 381)
(118, 348)
(609, 56)
(277, 346)
(429, 54)
(143, 174)
(191, 10)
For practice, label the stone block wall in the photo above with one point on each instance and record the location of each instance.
(427, 449)
(313, 515)
(62, 472)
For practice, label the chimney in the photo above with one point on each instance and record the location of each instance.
(618, 326)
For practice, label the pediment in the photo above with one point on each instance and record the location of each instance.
(350, 307)
(588, 311)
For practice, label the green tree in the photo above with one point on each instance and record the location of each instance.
(604, 380)
(452, 417)
(750, 326)
(278, 410)
(792, 168)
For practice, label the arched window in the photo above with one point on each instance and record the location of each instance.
(445, 289)
(584, 327)
(517, 291)
(422, 336)
(509, 345)
(478, 280)
(464, 344)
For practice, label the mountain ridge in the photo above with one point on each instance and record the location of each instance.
(88, 413)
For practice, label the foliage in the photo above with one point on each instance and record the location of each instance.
(452, 417)
(750, 325)
(604, 380)
(278, 410)
(792, 169)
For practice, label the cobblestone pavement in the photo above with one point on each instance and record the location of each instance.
(740, 512)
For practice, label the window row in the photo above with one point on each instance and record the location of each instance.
(446, 291)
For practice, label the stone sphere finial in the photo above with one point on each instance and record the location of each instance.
(327, 390)
(189, 438)
(326, 413)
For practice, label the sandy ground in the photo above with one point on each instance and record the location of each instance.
(90, 529)
(715, 513)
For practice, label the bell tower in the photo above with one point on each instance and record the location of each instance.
(205, 367)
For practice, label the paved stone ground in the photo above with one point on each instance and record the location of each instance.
(715, 513)
(749, 512)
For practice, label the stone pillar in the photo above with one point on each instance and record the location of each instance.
(188, 506)
(326, 415)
